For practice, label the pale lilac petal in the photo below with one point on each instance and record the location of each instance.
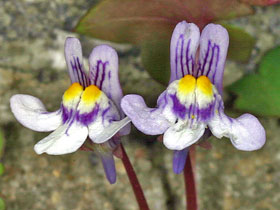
(31, 113)
(99, 134)
(109, 167)
(74, 60)
(183, 46)
(179, 160)
(214, 42)
(245, 132)
(181, 136)
(103, 63)
(147, 120)
(65, 139)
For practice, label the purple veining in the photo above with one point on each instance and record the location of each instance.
(87, 118)
(98, 69)
(179, 109)
(181, 55)
(206, 57)
(187, 57)
(66, 114)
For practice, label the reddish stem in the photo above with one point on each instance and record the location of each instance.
(138, 192)
(189, 169)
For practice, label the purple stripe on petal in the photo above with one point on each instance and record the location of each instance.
(66, 113)
(181, 55)
(179, 160)
(87, 118)
(109, 167)
(214, 42)
(74, 58)
(183, 46)
(103, 62)
(179, 109)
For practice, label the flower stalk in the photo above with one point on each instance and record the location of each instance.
(189, 177)
(138, 192)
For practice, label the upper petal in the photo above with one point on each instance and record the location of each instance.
(147, 120)
(31, 113)
(183, 46)
(245, 132)
(214, 42)
(181, 135)
(74, 60)
(66, 139)
(103, 62)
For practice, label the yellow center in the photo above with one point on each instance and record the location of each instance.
(72, 92)
(186, 84)
(204, 84)
(91, 94)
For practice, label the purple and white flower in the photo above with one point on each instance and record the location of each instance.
(90, 107)
(192, 103)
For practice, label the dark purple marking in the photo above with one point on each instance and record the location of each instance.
(103, 73)
(66, 114)
(97, 72)
(84, 77)
(216, 65)
(78, 71)
(178, 108)
(206, 113)
(206, 57)
(214, 47)
(98, 69)
(181, 56)
(87, 118)
(187, 57)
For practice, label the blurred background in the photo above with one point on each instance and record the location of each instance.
(32, 35)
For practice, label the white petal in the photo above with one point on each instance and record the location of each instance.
(31, 113)
(99, 134)
(180, 135)
(245, 132)
(66, 139)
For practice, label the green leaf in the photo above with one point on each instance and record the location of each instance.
(2, 143)
(240, 43)
(135, 21)
(1, 169)
(155, 59)
(260, 93)
(2, 204)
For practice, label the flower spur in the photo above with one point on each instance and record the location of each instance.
(192, 103)
(90, 107)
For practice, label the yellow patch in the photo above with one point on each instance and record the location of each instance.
(204, 84)
(186, 85)
(72, 92)
(91, 95)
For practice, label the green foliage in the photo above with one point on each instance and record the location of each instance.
(2, 204)
(1, 143)
(155, 58)
(240, 43)
(135, 21)
(260, 93)
(1, 169)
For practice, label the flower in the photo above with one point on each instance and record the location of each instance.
(192, 103)
(90, 107)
